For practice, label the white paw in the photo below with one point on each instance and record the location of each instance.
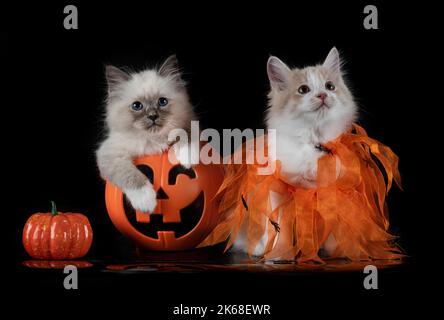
(143, 199)
(182, 153)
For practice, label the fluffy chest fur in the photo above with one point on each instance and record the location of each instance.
(295, 149)
(138, 144)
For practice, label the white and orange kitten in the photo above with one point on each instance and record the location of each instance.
(307, 107)
(142, 108)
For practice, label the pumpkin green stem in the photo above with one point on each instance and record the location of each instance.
(53, 209)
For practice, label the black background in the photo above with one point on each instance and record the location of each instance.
(52, 126)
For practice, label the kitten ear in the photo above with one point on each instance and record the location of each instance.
(278, 72)
(170, 67)
(115, 76)
(333, 62)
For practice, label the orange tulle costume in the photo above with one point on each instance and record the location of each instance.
(350, 207)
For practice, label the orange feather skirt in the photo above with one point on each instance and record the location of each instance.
(350, 206)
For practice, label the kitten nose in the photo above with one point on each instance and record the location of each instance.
(153, 117)
(322, 96)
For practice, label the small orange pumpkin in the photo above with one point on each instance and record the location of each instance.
(56, 236)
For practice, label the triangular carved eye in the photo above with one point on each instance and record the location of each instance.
(147, 171)
(179, 169)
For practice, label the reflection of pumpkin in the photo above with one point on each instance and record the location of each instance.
(56, 264)
(185, 213)
(57, 236)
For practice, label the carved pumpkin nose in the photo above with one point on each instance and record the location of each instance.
(161, 194)
(173, 212)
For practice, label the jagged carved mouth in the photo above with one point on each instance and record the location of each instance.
(189, 219)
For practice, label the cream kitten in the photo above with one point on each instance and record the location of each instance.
(308, 107)
(142, 108)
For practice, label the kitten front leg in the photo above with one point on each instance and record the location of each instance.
(241, 242)
(143, 199)
(311, 173)
(118, 168)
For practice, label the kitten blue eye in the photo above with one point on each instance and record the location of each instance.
(330, 86)
(137, 106)
(162, 102)
(304, 89)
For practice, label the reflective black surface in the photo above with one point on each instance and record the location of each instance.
(52, 118)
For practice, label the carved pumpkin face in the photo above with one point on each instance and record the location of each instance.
(186, 210)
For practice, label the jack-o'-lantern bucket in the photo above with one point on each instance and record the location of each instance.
(186, 211)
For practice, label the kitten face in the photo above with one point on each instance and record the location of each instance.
(151, 101)
(316, 94)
